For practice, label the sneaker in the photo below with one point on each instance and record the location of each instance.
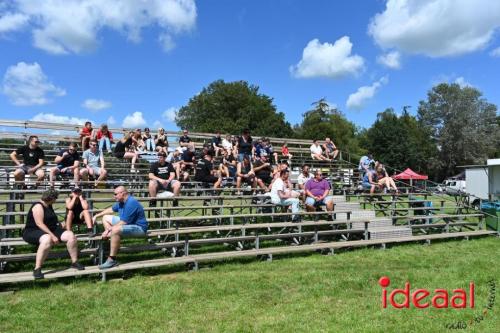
(77, 265)
(37, 274)
(91, 233)
(108, 264)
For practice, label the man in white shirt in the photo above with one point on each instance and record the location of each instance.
(317, 152)
(280, 195)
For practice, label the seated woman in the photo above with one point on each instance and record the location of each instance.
(44, 230)
(383, 178)
(77, 211)
(123, 150)
(161, 141)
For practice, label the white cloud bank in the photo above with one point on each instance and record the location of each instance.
(328, 60)
(26, 84)
(134, 120)
(169, 114)
(72, 26)
(358, 100)
(52, 118)
(96, 104)
(391, 60)
(436, 28)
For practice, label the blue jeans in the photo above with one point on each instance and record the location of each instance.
(104, 142)
(293, 202)
(150, 145)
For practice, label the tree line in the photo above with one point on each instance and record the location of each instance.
(453, 126)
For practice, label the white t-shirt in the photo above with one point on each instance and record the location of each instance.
(278, 185)
(227, 144)
(316, 149)
(301, 180)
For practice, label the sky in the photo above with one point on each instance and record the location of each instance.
(134, 63)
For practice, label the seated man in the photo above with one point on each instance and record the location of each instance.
(262, 169)
(303, 177)
(268, 147)
(317, 190)
(188, 158)
(32, 163)
(228, 165)
(245, 174)
(93, 164)
(281, 195)
(217, 144)
(317, 152)
(77, 211)
(185, 141)
(87, 133)
(130, 222)
(162, 177)
(331, 150)
(68, 161)
(204, 171)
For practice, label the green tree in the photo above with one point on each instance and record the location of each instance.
(323, 121)
(463, 125)
(231, 107)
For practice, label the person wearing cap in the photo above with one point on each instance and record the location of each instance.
(262, 169)
(185, 141)
(149, 142)
(162, 177)
(44, 230)
(205, 172)
(130, 222)
(32, 162)
(67, 163)
(77, 211)
(161, 141)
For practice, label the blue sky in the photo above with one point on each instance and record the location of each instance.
(133, 63)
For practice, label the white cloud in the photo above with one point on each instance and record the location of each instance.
(26, 84)
(73, 26)
(96, 104)
(169, 114)
(462, 83)
(111, 121)
(495, 52)
(328, 60)
(52, 118)
(436, 28)
(134, 120)
(391, 60)
(358, 100)
(12, 22)
(167, 42)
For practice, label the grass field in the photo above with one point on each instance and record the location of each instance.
(311, 293)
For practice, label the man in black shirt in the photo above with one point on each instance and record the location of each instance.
(161, 177)
(68, 161)
(185, 141)
(262, 169)
(217, 143)
(32, 163)
(205, 173)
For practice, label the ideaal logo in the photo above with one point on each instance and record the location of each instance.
(423, 298)
(440, 298)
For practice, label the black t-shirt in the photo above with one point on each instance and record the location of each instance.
(70, 159)
(217, 140)
(30, 156)
(264, 172)
(245, 147)
(187, 155)
(228, 160)
(162, 141)
(161, 171)
(120, 147)
(203, 169)
(184, 139)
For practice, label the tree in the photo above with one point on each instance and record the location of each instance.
(399, 142)
(323, 121)
(231, 107)
(462, 124)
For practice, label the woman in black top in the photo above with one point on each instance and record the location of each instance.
(161, 141)
(43, 229)
(122, 150)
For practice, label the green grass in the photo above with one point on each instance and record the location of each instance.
(311, 293)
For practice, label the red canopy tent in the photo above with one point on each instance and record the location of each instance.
(410, 175)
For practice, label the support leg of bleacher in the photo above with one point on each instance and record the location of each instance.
(382, 246)
(269, 257)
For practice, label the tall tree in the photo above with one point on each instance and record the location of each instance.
(324, 121)
(231, 107)
(463, 125)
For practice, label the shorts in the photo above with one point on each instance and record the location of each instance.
(32, 236)
(77, 219)
(25, 168)
(248, 180)
(167, 187)
(311, 202)
(119, 154)
(367, 186)
(68, 172)
(97, 170)
(208, 179)
(129, 230)
(266, 179)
